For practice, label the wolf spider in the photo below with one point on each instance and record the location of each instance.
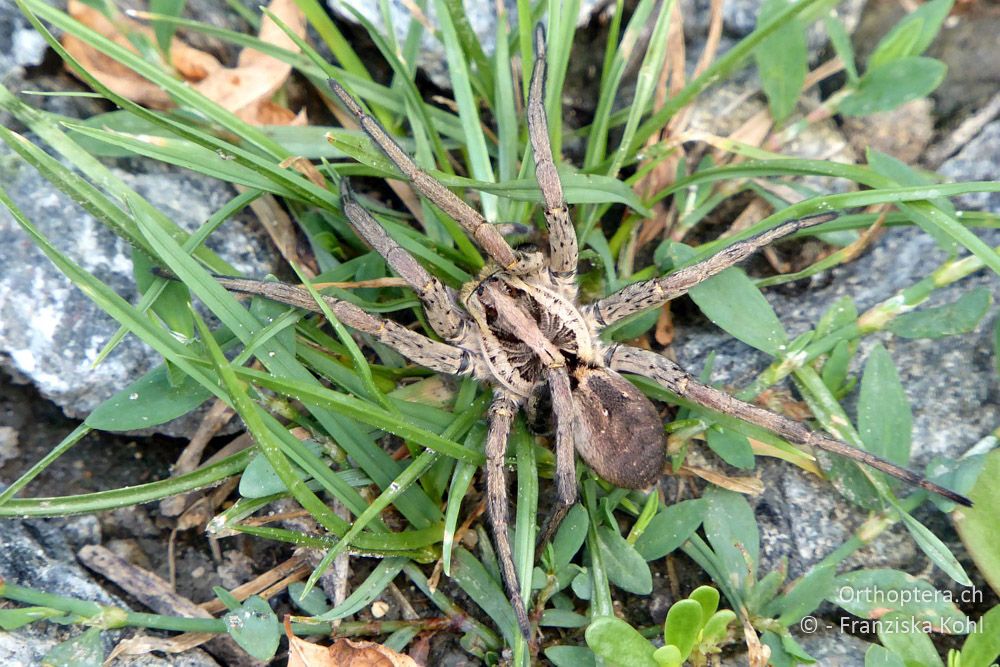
(519, 327)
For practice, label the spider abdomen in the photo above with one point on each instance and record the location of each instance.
(617, 430)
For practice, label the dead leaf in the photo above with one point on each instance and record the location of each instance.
(344, 653)
(245, 90)
(750, 486)
(192, 64)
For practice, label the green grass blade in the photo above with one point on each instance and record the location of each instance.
(128, 496)
(649, 72)
(475, 140)
(485, 591)
(31, 473)
(363, 412)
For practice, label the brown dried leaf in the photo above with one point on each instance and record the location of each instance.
(750, 486)
(246, 89)
(344, 653)
(192, 64)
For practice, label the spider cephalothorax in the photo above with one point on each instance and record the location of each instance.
(520, 327)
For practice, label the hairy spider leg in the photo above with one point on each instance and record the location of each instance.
(439, 357)
(678, 381)
(563, 254)
(563, 408)
(640, 296)
(485, 234)
(439, 301)
(501, 418)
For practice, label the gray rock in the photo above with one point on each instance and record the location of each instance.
(35, 553)
(979, 160)
(38, 555)
(49, 331)
(482, 17)
(20, 45)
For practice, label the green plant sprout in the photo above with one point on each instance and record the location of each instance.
(693, 631)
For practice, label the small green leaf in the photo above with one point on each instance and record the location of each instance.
(571, 656)
(570, 536)
(959, 475)
(626, 569)
(913, 34)
(779, 656)
(732, 301)
(313, 603)
(732, 447)
(259, 480)
(897, 44)
(86, 650)
(583, 586)
(982, 646)
(764, 591)
(670, 528)
(795, 650)
(255, 628)
(782, 61)
(960, 316)
(841, 43)
(871, 593)
(842, 313)
(717, 624)
(885, 422)
(731, 529)
(164, 30)
(888, 86)
(836, 366)
(618, 643)
(668, 656)
(708, 598)
(485, 590)
(149, 401)
(898, 634)
(935, 549)
(977, 525)
(682, 625)
(171, 305)
(807, 594)
(879, 656)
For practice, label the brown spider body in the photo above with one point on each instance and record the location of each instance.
(520, 328)
(528, 326)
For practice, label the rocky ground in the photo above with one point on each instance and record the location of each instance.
(50, 333)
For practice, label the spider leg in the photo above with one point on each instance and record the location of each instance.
(562, 235)
(674, 378)
(639, 296)
(563, 409)
(439, 357)
(501, 418)
(483, 232)
(439, 302)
